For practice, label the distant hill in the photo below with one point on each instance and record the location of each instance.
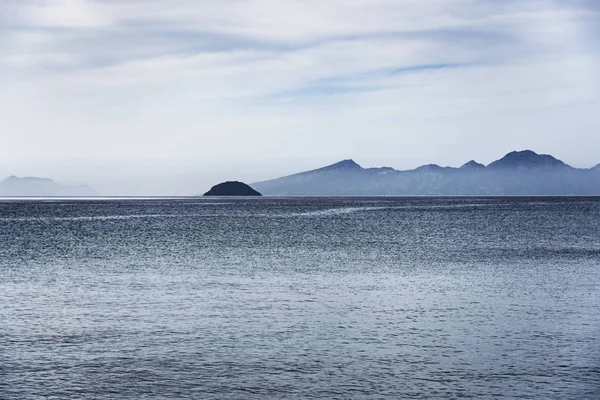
(518, 173)
(232, 189)
(31, 186)
(527, 160)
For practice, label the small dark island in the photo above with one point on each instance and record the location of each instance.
(232, 189)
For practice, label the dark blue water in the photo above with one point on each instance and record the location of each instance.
(300, 298)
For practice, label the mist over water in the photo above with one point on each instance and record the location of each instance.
(300, 298)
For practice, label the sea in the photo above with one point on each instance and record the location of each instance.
(300, 298)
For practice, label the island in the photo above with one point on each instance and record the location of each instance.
(234, 188)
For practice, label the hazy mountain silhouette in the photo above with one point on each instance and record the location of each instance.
(517, 173)
(32, 186)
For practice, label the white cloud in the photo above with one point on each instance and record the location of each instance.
(65, 14)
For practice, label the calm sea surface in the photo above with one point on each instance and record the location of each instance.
(300, 298)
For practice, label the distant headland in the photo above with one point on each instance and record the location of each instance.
(33, 186)
(518, 173)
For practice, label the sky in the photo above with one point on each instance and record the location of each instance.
(170, 97)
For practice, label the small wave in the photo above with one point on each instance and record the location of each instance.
(93, 218)
(335, 211)
(349, 210)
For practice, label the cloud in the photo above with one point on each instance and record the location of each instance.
(66, 14)
(284, 85)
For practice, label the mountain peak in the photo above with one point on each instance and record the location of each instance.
(344, 164)
(472, 165)
(429, 167)
(527, 159)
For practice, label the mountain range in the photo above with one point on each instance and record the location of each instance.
(31, 186)
(519, 173)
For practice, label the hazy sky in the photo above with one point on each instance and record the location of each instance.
(172, 96)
